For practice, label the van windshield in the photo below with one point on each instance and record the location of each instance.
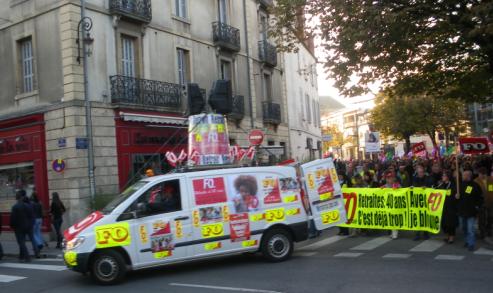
(122, 197)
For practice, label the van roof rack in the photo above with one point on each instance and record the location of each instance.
(187, 169)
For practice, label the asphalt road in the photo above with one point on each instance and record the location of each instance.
(326, 264)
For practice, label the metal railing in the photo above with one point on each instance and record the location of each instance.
(238, 111)
(226, 36)
(271, 112)
(267, 53)
(267, 3)
(139, 10)
(145, 92)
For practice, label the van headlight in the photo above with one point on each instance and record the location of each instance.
(74, 243)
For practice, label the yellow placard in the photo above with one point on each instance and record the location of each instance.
(257, 217)
(249, 243)
(290, 199)
(330, 217)
(293, 212)
(225, 214)
(198, 138)
(179, 229)
(311, 181)
(468, 189)
(212, 246)
(111, 235)
(490, 187)
(70, 258)
(326, 196)
(212, 230)
(162, 254)
(143, 234)
(196, 218)
(275, 215)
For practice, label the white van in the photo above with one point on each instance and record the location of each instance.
(188, 216)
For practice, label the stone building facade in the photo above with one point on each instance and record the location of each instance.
(142, 51)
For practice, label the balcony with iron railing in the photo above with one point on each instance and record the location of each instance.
(271, 112)
(267, 53)
(145, 92)
(226, 36)
(134, 10)
(238, 111)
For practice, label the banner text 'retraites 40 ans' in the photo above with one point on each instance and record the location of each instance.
(418, 209)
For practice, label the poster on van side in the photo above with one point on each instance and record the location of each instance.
(208, 136)
(209, 190)
(270, 190)
(161, 238)
(242, 193)
(212, 214)
(239, 225)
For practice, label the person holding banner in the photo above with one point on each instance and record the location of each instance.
(449, 214)
(421, 179)
(391, 182)
(470, 201)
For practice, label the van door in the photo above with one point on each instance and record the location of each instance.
(163, 224)
(324, 193)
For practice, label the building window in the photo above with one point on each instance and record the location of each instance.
(308, 109)
(302, 110)
(183, 59)
(181, 8)
(222, 11)
(128, 56)
(267, 87)
(263, 27)
(225, 70)
(15, 177)
(315, 117)
(27, 65)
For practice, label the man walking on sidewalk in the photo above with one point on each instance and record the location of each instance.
(470, 201)
(21, 221)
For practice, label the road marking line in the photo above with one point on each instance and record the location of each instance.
(33, 266)
(397, 255)
(323, 242)
(449, 257)
(7, 278)
(223, 288)
(49, 259)
(348, 254)
(483, 251)
(304, 253)
(428, 246)
(372, 244)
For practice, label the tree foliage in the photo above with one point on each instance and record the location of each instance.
(337, 136)
(403, 116)
(426, 46)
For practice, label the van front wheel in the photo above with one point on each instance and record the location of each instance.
(108, 268)
(277, 245)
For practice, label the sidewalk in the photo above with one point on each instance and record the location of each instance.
(11, 250)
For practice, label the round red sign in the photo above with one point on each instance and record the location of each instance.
(256, 137)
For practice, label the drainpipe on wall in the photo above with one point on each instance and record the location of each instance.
(247, 49)
(90, 151)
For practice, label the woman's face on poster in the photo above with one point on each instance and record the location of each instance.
(244, 192)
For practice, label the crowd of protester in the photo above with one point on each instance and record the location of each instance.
(468, 206)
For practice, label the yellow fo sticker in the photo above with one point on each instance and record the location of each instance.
(225, 214)
(249, 243)
(212, 230)
(220, 128)
(198, 138)
(179, 229)
(275, 215)
(293, 212)
(212, 246)
(257, 217)
(291, 198)
(112, 235)
(326, 196)
(196, 218)
(143, 234)
(70, 258)
(330, 217)
(468, 189)
(162, 254)
(490, 187)
(311, 181)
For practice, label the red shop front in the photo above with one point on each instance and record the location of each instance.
(23, 163)
(142, 140)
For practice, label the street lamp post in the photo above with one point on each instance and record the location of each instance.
(83, 29)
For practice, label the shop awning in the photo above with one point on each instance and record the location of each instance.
(160, 119)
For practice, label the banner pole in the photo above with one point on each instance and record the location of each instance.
(457, 181)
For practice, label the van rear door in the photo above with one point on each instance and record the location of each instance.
(324, 193)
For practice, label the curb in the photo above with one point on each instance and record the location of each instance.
(43, 256)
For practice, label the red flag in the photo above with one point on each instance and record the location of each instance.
(251, 152)
(182, 156)
(241, 154)
(194, 156)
